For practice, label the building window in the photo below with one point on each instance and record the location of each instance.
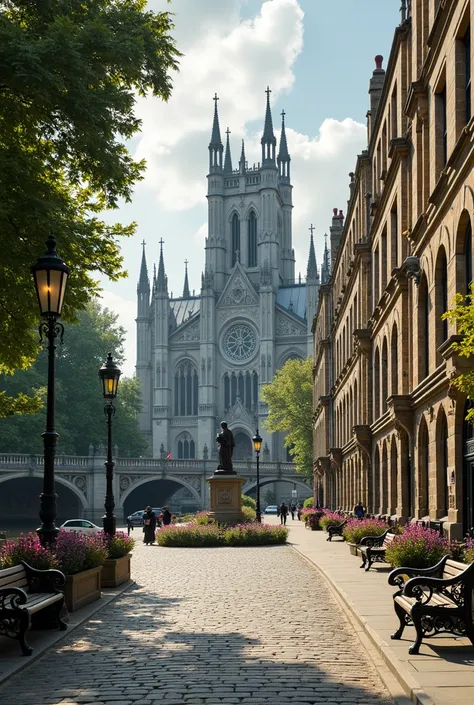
(186, 386)
(423, 329)
(384, 376)
(252, 240)
(467, 72)
(242, 386)
(394, 346)
(186, 447)
(235, 239)
(394, 237)
(468, 255)
(442, 461)
(376, 385)
(383, 260)
(376, 277)
(441, 129)
(423, 475)
(441, 299)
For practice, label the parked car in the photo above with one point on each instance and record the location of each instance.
(136, 519)
(82, 525)
(271, 509)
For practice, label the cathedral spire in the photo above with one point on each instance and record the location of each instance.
(312, 269)
(186, 293)
(143, 282)
(325, 269)
(242, 160)
(162, 279)
(228, 156)
(268, 140)
(283, 154)
(216, 147)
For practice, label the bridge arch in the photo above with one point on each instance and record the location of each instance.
(250, 486)
(164, 491)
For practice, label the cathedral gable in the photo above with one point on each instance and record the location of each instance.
(238, 291)
(287, 325)
(187, 332)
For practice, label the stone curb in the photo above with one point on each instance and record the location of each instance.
(109, 595)
(413, 689)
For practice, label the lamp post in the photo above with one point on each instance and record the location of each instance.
(50, 274)
(109, 375)
(257, 445)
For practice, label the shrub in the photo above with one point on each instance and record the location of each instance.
(249, 502)
(356, 529)
(76, 552)
(255, 535)
(249, 513)
(468, 555)
(29, 549)
(119, 545)
(203, 518)
(330, 519)
(191, 535)
(309, 503)
(417, 547)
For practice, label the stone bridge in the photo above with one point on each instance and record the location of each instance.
(80, 483)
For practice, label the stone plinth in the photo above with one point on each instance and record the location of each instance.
(226, 498)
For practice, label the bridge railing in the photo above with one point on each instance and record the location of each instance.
(28, 460)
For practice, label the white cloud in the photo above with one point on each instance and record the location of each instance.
(126, 311)
(201, 234)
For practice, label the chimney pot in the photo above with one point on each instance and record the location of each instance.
(334, 210)
(341, 217)
(378, 62)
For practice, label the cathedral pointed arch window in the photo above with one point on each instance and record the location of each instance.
(186, 447)
(252, 239)
(242, 386)
(186, 389)
(235, 232)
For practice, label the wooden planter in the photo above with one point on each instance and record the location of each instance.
(82, 588)
(352, 548)
(115, 571)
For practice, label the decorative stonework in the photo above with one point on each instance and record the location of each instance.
(285, 327)
(79, 481)
(238, 293)
(240, 342)
(225, 314)
(240, 414)
(190, 333)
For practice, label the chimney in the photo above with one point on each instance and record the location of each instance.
(335, 233)
(375, 91)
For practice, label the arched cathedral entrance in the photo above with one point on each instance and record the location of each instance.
(243, 446)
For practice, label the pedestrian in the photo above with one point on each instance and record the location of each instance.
(283, 511)
(129, 526)
(166, 516)
(149, 526)
(299, 509)
(359, 510)
(292, 511)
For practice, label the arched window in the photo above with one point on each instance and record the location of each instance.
(393, 490)
(243, 386)
(376, 483)
(376, 394)
(442, 464)
(186, 386)
(423, 328)
(468, 256)
(384, 480)
(394, 360)
(384, 374)
(235, 238)
(423, 476)
(252, 240)
(464, 264)
(186, 447)
(441, 300)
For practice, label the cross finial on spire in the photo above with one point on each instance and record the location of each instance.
(311, 229)
(283, 115)
(268, 91)
(228, 132)
(186, 263)
(215, 99)
(143, 243)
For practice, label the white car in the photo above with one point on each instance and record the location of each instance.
(82, 525)
(271, 509)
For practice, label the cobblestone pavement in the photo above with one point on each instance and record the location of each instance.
(209, 626)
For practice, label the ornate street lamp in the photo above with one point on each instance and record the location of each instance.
(109, 375)
(50, 274)
(257, 445)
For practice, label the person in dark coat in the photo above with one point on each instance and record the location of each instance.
(283, 513)
(166, 516)
(149, 526)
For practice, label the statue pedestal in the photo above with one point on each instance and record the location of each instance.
(226, 498)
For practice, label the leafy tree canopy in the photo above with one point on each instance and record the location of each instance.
(290, 404)
(70, 72)
(463, 314)
(80, 418)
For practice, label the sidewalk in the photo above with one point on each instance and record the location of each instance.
(444, 668)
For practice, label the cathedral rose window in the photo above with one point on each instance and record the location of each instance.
(240, 342)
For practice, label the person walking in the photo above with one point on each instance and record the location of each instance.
(299, 509)
(149, 526)
(292, 511)
(359, 510)
(166, 516)
(283, 513)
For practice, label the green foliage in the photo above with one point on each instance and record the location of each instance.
(29, 549)
(308, 503)
(417, 547)
(248, 502)
(290, 404)
(119, 545)
(80, 418)
(249, 514)
(463, 315)
(71, 72)
(356, 529)
(199, 535)
(269, 497)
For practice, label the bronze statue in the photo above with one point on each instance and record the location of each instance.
(226, 442)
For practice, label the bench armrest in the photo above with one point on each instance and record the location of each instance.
(422, 588)
(12, 597)
(373, 541)
(400, 576)
(44, 580)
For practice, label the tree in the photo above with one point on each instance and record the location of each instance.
(80, 419)
(463, 315)
(69, 75)
(290, 405)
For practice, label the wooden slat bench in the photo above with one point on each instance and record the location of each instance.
(373, 548)
(24, 591)
(434, 600)
(336, 530)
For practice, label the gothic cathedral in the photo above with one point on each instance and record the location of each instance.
(203, 359)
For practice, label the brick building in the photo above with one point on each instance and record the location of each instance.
(389, 425)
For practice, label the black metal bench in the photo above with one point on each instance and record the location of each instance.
(434, 600)
(336, 530)
(373, 548)
(24, 591)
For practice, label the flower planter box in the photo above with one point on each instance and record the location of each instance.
(115, 571)
(352, 549)
(82, 588)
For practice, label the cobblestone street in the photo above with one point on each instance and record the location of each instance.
(208, 626)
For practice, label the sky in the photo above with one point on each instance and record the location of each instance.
(317, 56)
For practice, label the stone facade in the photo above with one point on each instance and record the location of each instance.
(203, 359)
(388, 424)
